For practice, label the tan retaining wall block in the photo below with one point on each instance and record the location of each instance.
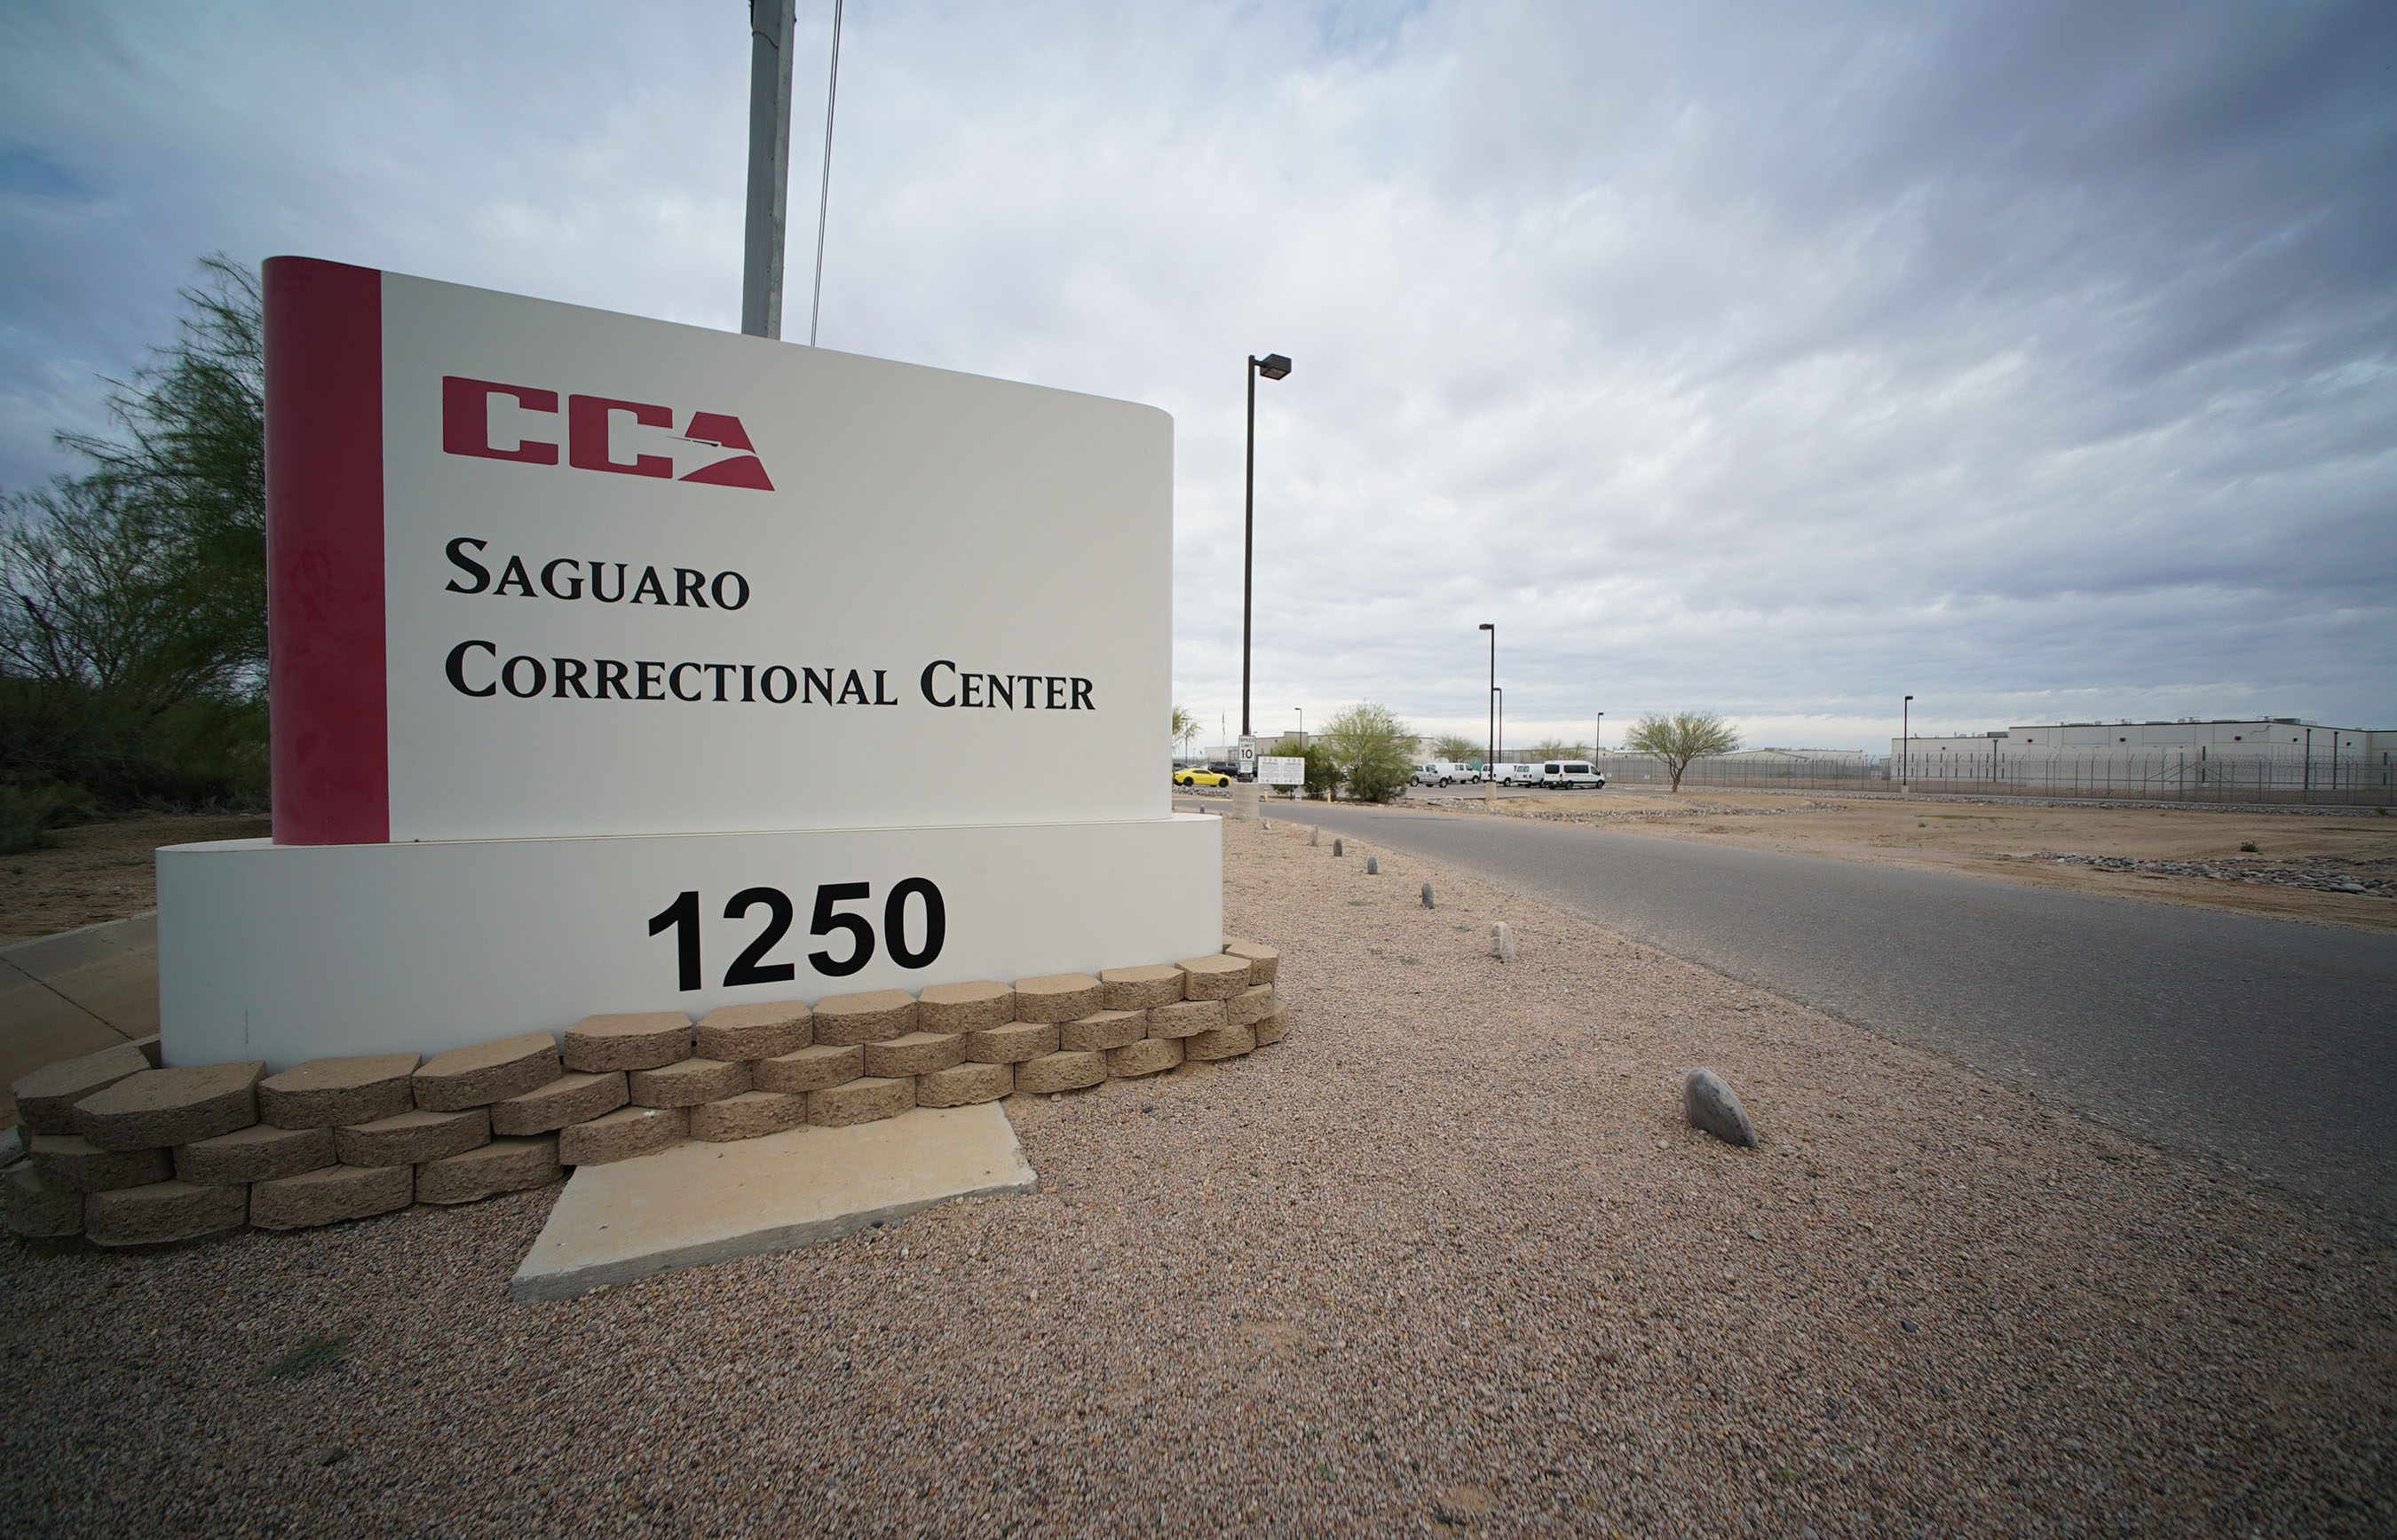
(162, 1211)
(642, 1039)
(1058, 997)
(571, 1098)
(1264, 961)
(736, 1034)
(1102, 1031)
(159, 1107)
(1139, 989)
(1011, 1044)
(1220, 1042)
(1183, 1019)
(688, 1083)
(326, 1093)
(503, 1165)
(35, 1209)
(623, 1134)
(810, 1068)
(45, 1099)
(68, 1164)
(965, 1007)
(917, 1053)
(860, 1102)
(1274, 1028)
(1216, 978)
(1250, 1006)
(329, 1195)
(1144, 1057)
(413, 1138)
(874, 1016)
(965, 1085)
(259, 1152)
(747, 1116)
(1061, 1071)
(485, 1073)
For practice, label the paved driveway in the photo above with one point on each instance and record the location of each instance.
(2265, 1044)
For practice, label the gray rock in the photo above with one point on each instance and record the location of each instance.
(1315, 836)
(1710, 1105)
(1427, 903)
(1338, 849)
(1372, 865)
(1501, 942)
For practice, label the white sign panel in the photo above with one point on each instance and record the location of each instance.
(540, 569)
(1275, 769)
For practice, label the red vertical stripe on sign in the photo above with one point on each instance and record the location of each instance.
(330, 735)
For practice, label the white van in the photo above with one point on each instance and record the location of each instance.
(1434, 775)
(1519, 775)
(1571, 772)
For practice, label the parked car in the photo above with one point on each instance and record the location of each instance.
(1202, 778)
(1571, 772)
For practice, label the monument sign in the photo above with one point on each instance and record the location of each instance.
(618, 666)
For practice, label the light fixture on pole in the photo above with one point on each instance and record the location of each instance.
(1598, 733)
(1490, 768)
(1905, 742)
(1273, 365)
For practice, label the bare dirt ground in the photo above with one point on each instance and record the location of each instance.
(100, 871)
(2021, 844)
(1447, 1261)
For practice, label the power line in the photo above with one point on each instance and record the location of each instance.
(823, 198)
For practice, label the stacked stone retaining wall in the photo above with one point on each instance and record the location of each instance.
(124, 1153)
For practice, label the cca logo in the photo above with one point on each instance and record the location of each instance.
(590, 425)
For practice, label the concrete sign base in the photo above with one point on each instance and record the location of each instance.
(699, 1203)
(293, 952)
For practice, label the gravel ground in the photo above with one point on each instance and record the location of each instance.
(1447, 1260)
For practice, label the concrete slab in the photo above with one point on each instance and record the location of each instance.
(38, 1027)
(697, 1204)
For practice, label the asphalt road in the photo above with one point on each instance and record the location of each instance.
(2263, 1044)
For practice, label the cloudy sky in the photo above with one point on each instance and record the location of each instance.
(2039, 360)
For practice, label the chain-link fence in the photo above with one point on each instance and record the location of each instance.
(2192, 775)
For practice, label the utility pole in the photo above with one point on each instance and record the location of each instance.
(770, 166)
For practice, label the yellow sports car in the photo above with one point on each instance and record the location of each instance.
(1201, 778)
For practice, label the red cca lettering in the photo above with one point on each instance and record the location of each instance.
(590, 425)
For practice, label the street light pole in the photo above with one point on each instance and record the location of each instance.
(1490, 767)
(1500, 692)
(1598, 733)
(1905, 744)
(1273, 365)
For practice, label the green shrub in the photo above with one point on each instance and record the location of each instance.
(30, 816)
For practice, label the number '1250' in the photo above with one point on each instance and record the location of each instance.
(681, 916)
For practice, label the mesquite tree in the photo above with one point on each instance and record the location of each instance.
(1683, 737)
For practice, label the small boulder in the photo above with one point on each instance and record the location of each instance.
(1710, 1105)
(1501, 942)
(1315, 836)
(1337, 849)
(1427, 903)
(1372, 865)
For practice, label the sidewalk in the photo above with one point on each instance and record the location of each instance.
(76, 993)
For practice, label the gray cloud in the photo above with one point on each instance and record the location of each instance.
(2035, 360)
